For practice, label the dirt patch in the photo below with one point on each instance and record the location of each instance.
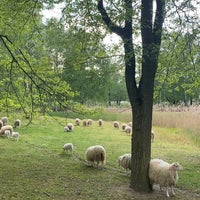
(126, 193)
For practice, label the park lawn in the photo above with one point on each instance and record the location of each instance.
(35, 166)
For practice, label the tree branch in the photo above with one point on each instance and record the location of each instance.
(159, 19)
(146, 21)
(113, 27)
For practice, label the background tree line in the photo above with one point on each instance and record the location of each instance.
(74, 64)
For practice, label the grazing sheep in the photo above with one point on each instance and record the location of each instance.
(89, 122)
(84, 122)
(66, 129)
(7, 133)
(77, 122)
(96, 154)
(164, 174)
(6, 127)
(4, 120)
(15, 136)
(68, 147)
(152, 136)
(116, 124)
(17, 123)
(100, 122)
(1, 123)
(128, 129)
(70, 127)
(124, 126)
(125, 161)
(130, 124)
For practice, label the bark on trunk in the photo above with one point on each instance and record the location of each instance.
(141, 144)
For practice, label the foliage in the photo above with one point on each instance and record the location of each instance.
(29, 78)
(83, 62)
(177, 78)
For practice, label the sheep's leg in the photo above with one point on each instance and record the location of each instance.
(172, 188)
(167, 192)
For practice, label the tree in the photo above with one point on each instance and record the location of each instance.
(141, 94)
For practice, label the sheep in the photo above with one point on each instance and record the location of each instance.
(152, 136)
(125, 161)
(124, 126)
(100, 122)
(130, 124)
(1, 123)
(89, 122)
(15, 136)
(4, 120)
(69, 127)
(7, 133)
(96, 154)
(17, 123)
(128, 129)
(6, 127)
(84, 122)
(77, 122)
(66, 129)
(68, 147)
(116, 124)
(164, 174)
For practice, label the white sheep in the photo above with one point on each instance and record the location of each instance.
(66, 129)
(84, 122)
(164, 174)
(100, 122)
(6, 127)
(124, 126)
(130, 124)
(77, 122)
(68, 147)
(7, 133)
(4, 120)
(15, 136)
(69, 127)
(128, 129)
(96, 154)
(17, 123)
(152, 135)
(125, 161)
(89, 122)
(116, 124)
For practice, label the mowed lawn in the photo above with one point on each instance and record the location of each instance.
(36, 167)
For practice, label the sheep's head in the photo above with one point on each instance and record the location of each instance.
(176, 167)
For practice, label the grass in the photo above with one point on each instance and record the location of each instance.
(36, 167)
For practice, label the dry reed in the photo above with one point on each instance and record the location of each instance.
(186, 118)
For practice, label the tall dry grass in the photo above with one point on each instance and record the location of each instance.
(187, 118)
(184, 118)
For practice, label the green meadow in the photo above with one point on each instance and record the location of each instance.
(36, 167)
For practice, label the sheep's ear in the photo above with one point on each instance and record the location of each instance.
(173, 166)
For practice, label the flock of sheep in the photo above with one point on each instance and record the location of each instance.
(6, 130)
(160, 172)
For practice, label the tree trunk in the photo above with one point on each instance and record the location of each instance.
(140, 94)
(141, 144)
